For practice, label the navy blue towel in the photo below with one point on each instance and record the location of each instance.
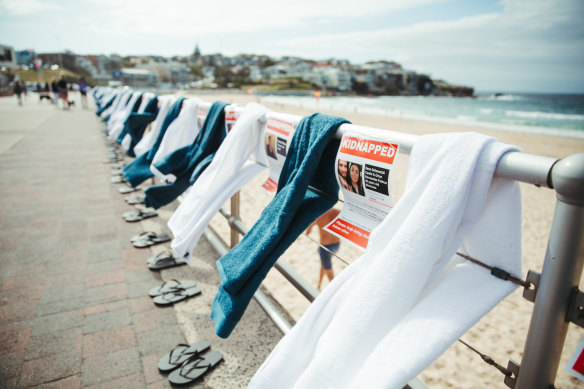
(121, 103)
(134, 109)
(310, 161)
(105, 106)
(137, 122)
(188, 162)
(138, 170)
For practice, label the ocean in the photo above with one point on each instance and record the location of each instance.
(559, 115)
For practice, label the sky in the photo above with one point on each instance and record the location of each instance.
(505, 45)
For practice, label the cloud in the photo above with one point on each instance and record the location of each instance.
(26, 7)
(532, 37)
(201, 18)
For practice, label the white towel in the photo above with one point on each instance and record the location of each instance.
(118, 110)
(241, 156)
(118, 119)
(181, 132)
(146, 97)
(112, 108)
(147, 141)
(387, 316)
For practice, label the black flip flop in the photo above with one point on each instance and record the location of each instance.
(142, 236)
(127, 189)
(192, 370)
(164, 254)
(133, 200)
(176, 296)
(138, 215)
(150, 235)
(170, 286)
(165, 261)
(118, 180)
(151, 240)
(180, 354)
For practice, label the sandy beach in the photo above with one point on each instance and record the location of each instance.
(501, 333)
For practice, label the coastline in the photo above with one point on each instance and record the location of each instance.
(501, 333)
(341, 108)
(530, 142)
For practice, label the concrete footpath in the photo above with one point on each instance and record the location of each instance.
(74, 308)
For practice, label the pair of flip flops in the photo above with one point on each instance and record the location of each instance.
(127, 189)
(164, 260)
(113, 158)
(134, 200)
(149, 238)
(187, 363)
(173, 291)
(119, 180)
(138, 214)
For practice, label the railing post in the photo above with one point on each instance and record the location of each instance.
(560, 276)
(235, 215)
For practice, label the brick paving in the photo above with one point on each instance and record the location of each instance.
(73, 305)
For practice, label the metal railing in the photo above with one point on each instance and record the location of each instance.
(555, 292)
(557, 299)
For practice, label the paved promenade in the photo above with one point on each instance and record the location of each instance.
(74, 309)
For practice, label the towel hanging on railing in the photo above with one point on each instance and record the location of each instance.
(187, 163)
(310, 161)
(148, 140)
(397, 308)
(182, 132)
(138, 170)
(137, 122)
(115, 124)
(241, 156)
(133, 107)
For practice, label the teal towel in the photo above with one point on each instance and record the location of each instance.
(188, 162)
(138, 170)
(310, 161)
(137, 123)
(122, 102)
(102, 108)
(134, 109)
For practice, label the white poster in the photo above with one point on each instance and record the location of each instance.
(280, 128)
(363, 171)
(202, 113)
(232, 113)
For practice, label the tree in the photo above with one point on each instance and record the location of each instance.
(360, 87)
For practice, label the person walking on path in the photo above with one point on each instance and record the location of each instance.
(55, 91)
(329, 244)
(63, 91)
(18, 91)
(83, 91)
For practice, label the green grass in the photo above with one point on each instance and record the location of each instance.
(282, 84)
(48, 75)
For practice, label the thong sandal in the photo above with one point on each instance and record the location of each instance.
(163, 254)
(150, 236)
(180, 354)
(164, 261)
(118, 180)
(196, 368)
(137, 215)
(145, 243)
(176, 296)
(127, 189)
(133, 200)
(170, 286)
